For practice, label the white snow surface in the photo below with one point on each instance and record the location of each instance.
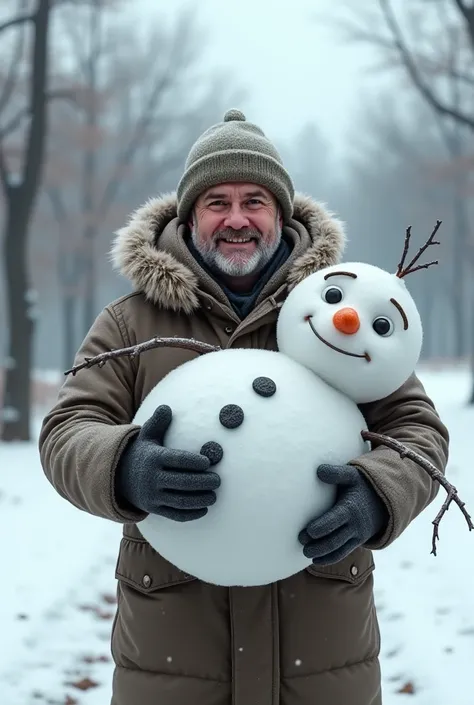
(58, 587)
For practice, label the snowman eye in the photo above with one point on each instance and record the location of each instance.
(383, 326)
(332, 295)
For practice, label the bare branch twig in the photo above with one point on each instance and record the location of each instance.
(23, 113)
(132, 352)
(10, 80)
(468, 14)
(433, 65)
(402, 271)
(14, 122)
(20, 19)
(405, 249)
(4, 179)
(434, 473)
(413, 71)
(156, 95)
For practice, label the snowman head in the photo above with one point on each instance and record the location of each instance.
(354, 325)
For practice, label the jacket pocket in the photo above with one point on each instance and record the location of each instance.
(163, 612)
(354, 568)
(329, 620)
(142, 568)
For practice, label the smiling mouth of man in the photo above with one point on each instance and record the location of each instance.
(237, 240)
(365, 356)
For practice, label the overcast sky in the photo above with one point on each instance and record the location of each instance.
(295, 68)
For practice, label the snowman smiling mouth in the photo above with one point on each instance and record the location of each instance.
(364, 356)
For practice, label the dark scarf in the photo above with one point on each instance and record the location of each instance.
(242, 303)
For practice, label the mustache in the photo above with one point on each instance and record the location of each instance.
(243, 232)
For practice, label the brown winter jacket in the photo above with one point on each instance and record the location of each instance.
(312, 639)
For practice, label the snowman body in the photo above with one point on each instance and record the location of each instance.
(275, 422)
(347, 334)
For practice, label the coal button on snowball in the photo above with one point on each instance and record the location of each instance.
(231, 416)
(264, 386)
(213, 451)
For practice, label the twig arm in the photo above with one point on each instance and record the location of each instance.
(431, 241)
(403, 269)
(433, 472)
(134, 350)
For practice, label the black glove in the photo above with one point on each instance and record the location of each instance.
(356, 517)
(175, 484)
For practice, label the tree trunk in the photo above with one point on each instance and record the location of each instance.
(69, 330)
(69, 273)
(16, 396)
(460, 238)
(90, 295)
(20, 202)
(426, 304)
(89, 176)
(471, 398)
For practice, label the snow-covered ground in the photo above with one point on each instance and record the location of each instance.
(426, 603)
(57, 595)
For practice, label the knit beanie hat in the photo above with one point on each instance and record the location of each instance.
(234, 150)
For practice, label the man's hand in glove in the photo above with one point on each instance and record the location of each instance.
(175, 484)
(357, 516)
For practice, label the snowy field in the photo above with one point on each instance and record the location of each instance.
(57, 596)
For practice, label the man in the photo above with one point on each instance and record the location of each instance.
(214, 262)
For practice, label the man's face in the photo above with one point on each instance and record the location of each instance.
(236, 228)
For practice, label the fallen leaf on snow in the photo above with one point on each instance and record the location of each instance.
(97, 611)
(96, 659)
(408, 688)
(109, 599)
(467, 631)
(84, 684)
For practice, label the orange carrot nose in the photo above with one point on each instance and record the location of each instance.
(347, 321)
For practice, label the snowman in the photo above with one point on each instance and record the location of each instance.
(346, 335)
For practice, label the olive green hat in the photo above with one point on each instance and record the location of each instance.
(234, 150)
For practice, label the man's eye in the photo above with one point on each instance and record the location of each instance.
(217, 203)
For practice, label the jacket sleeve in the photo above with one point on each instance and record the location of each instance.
(83, 435)
(409, 416)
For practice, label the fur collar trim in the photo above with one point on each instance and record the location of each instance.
(169, 282)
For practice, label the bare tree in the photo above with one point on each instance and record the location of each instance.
(134, 102)
(432, 43)
(394, 176)
(20, 191)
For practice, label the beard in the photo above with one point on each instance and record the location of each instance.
(239, 263)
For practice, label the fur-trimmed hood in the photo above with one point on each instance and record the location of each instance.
(140, 254)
